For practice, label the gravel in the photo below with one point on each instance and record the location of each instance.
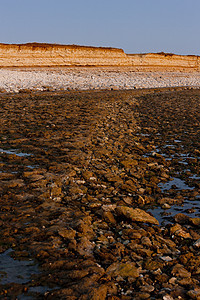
(83, 78)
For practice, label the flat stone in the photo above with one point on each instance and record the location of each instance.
(127, 269)
(136, 215)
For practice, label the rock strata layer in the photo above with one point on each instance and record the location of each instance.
(35, 54)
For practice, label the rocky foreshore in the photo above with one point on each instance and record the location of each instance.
(82, 173)
(86, 78)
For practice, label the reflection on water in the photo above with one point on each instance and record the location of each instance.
(17, 271)
(177, 183)
(14, 151)
(164, 216)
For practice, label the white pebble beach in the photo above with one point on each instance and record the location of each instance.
(86, 78)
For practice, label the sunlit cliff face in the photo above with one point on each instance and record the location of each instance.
(34, 54)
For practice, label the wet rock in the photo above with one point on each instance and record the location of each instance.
(181, 218)
(136, 215)
(166, 206)
(170, 201)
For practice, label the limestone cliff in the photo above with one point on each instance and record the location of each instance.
(43, 55)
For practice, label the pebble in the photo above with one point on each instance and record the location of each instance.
(43, 79)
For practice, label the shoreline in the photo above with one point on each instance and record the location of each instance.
(92, 78)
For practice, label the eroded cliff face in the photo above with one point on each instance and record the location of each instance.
(34, 55)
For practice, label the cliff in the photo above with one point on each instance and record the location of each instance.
(43, 55)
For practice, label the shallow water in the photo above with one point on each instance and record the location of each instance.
(14, 151)
(18, 271)
(190, 208)
(165, 216)
(178, 184)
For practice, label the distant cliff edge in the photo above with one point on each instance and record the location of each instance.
(49, 55)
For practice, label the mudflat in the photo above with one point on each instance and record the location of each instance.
(100, 194)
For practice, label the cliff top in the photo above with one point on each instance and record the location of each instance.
(46, 46)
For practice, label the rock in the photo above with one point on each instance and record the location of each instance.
(67, 233)
(197, 243)
(178, 230)
(166, 258)
(169, 201)
(166, 206)
(195, 221)
(194, 294)
(147, 288)
(87, 175)
(85, 247)
(168, 297)
(146, 241)
(129, 163)
(98, 293)
(109, 207)
(144, 296)
(136, 215)
(114, 88)
(181, 218)
(83, 226)
(127, 269)
(108, 217)
(14, 183)
(153, 265)
(179, 271)
(173, 280)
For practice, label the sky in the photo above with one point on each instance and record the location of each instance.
(136, 26)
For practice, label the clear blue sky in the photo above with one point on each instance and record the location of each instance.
(137, 26)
